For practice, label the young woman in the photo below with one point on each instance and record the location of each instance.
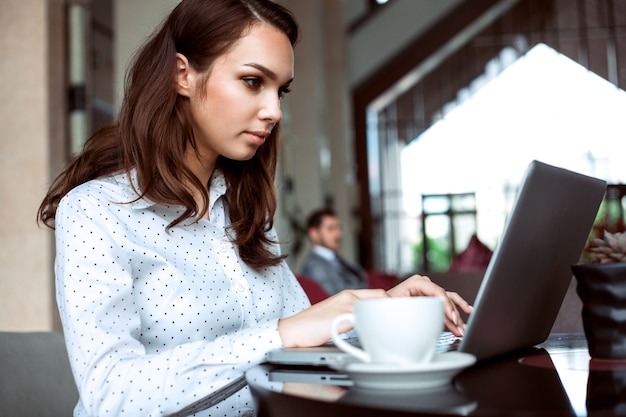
(169, 280)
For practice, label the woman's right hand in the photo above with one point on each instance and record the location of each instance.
(311, 327)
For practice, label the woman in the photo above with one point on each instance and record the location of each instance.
(170, 283)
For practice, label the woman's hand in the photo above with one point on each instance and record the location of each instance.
(311, 327)
(421, 285)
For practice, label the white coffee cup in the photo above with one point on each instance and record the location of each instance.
(396, 330)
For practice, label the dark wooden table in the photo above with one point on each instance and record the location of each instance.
(555, 378)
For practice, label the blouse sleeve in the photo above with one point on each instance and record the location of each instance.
(115, 374)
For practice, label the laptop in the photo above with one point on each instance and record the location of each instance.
(529, 272)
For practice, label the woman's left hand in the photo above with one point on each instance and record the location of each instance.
(417, 285)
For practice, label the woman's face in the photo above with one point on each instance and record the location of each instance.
(239, 105)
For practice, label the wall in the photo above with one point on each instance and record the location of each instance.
(25, 280)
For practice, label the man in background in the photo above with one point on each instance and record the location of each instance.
(323, 263)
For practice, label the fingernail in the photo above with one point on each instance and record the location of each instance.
(455, 318)
(461, 329)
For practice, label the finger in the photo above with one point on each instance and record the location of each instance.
(460, 302)
(424, 277)
(416, 285)
(370, 293)
(456, 329)
(454, 322)
(451, 313)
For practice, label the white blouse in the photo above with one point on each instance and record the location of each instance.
(162, 322)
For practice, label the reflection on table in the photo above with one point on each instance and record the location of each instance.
(556, 378)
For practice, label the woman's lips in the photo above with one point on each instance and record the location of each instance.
(258, 137)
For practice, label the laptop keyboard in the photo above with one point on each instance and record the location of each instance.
(448, 342)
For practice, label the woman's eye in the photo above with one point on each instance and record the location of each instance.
(282, 91)
(256, 83)
(252, 82)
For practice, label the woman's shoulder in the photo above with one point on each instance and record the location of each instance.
(110, 189)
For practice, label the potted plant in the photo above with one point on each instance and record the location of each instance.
(601, 286)
(609, 249)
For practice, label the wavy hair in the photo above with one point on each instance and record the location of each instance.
(154, 126)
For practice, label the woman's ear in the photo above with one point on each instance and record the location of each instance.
(184, 76)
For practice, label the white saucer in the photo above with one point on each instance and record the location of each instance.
(436, 373)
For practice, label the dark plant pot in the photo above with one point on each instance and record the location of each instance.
(606, 390)
(602, 290)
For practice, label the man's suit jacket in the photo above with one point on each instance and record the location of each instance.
(334, 276)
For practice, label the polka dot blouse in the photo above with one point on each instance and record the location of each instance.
(161, 322)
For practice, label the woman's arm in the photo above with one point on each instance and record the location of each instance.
(128, 339)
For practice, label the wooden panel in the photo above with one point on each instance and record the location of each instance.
(619, 13)
(566, 14)
(595, 12)
(620, 44)
(597, 57)
(568, 47)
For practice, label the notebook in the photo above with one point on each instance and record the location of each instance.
(529, 272)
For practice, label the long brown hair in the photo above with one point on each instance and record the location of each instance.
(154, 126)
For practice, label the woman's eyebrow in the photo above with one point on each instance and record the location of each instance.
(266, 71)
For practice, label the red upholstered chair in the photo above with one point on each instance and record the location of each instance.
(378, 279)
(313, 290)
(475, 257)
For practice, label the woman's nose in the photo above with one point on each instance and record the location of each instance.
(271, 109)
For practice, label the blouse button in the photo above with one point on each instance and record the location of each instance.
(240, 288)
(223, 248)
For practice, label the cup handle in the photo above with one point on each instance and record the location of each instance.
(341, 343)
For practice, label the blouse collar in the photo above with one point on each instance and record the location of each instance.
(130, 188)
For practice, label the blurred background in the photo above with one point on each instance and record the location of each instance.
(413, 119)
